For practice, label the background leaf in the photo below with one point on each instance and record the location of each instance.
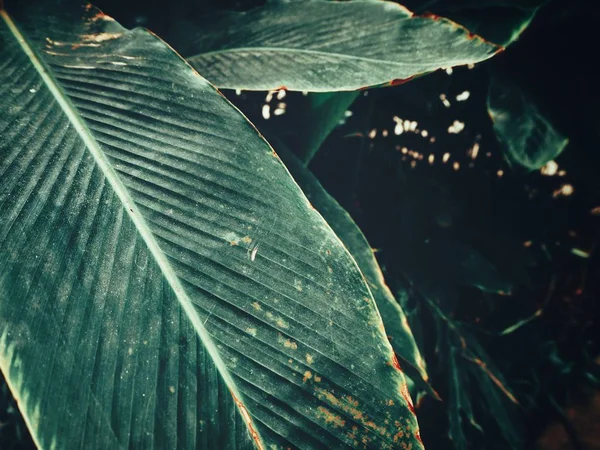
(528, 137)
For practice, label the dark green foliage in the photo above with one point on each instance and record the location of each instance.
(494, 267)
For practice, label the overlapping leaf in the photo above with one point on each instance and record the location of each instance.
(324, 46)
(393, 316)
(164, 283)
(498, 21)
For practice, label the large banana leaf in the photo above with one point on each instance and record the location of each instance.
(164, 283)
(324, 46)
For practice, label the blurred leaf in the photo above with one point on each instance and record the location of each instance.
(324, 113)
(496, 397)
(474, 380)
(325, 46)
(528, 138)
(394, 319)
(453, 263)
(163, 280)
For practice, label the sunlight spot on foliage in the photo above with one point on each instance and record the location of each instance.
(564, 191)
(463, 96)
(269, 96)
(549, 169)
(266, 112)
(473, 151)
(445, 100)
(580, 253)
(280, 109)
(399, 128)
(456, 127)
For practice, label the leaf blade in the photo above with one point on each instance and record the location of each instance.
(326, 46)
(82, 283)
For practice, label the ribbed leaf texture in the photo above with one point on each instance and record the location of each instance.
(164, 283)
(394, 319)
(325, 46)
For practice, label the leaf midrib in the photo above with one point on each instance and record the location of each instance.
(137, 218)
(307, 51)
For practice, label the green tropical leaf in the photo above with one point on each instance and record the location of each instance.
(527, 136)
(394, 319)
(163, 280)
(324, 46)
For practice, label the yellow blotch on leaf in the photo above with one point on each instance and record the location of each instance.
(287, 343)
(329, 417)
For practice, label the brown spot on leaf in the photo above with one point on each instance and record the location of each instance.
(329, 417)
(287, 343)
(399, 81)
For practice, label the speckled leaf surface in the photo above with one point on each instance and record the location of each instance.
(324, 46)
(164, 283)
(527, 136)
(394, 319)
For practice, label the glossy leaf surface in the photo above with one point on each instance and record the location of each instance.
(164, 283)
(325, 46)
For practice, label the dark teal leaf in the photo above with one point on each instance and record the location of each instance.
(324, 113)
(325, 46)
(526, 135)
